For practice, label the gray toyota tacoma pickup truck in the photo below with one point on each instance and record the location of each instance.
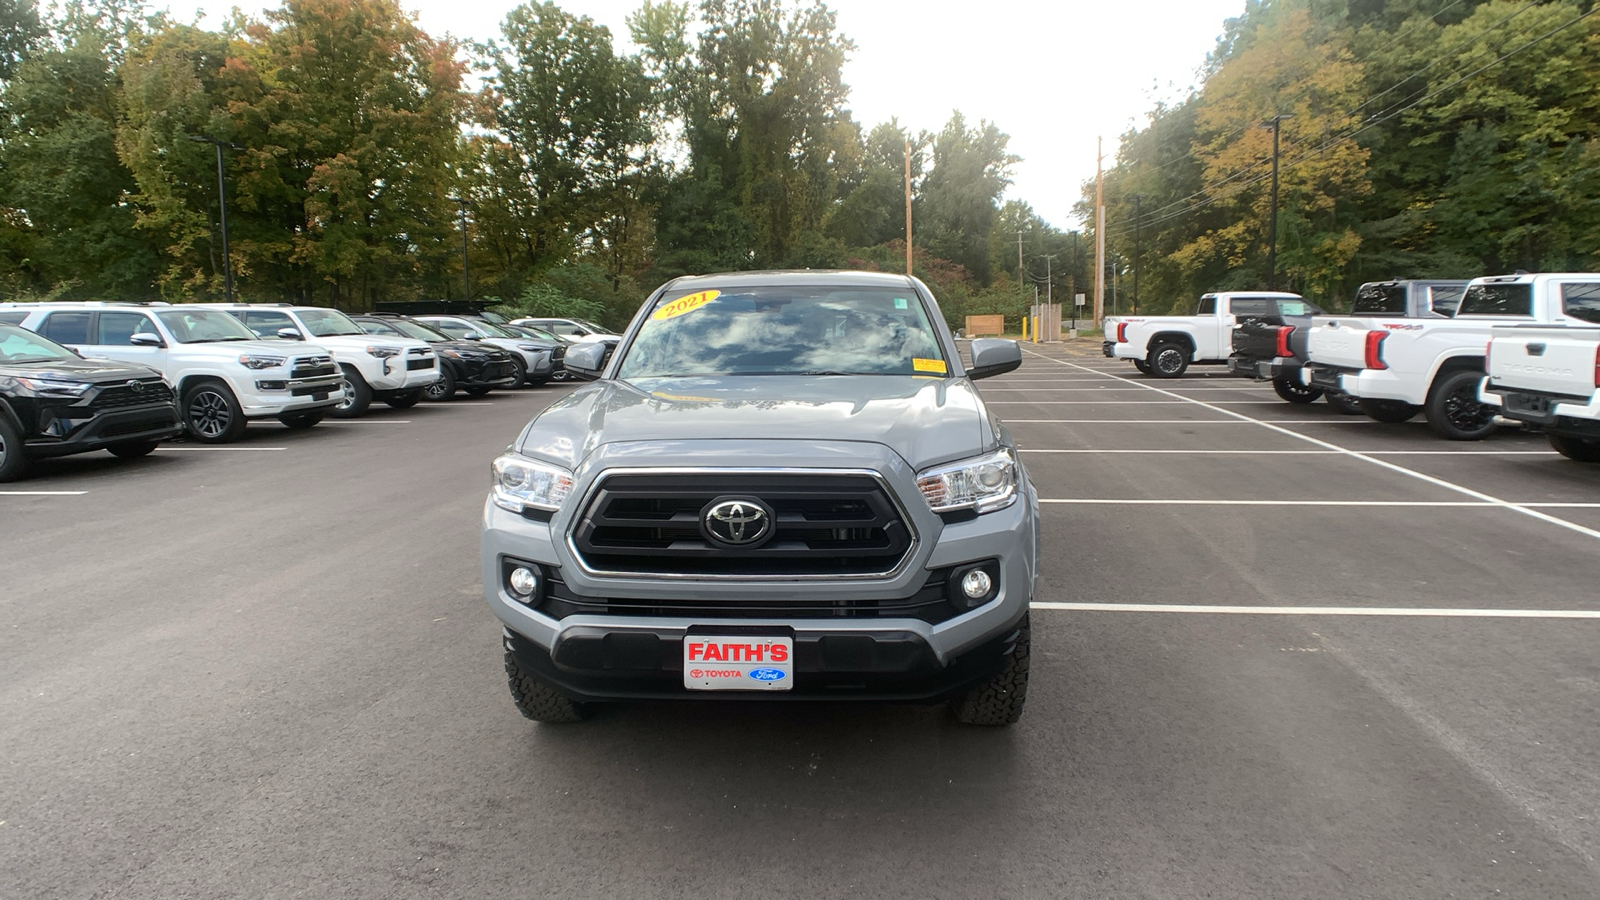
(778, 485)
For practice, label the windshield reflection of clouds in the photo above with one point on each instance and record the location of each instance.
(752, 334)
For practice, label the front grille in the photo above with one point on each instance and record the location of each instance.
(312, 366)
(119, 395)
(147, 424)
(929, 603)
(312, 390)
(558, 354)
(501, 369)
(826, 525)
(414, 364)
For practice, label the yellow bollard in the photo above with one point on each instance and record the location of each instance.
(1024, 327)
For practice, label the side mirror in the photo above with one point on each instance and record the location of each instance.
(290, 334)
(146, 339)
(993, 356)
(587, 360)
(472, 336)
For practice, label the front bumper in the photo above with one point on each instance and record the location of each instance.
(68, 430)
(395, 373)
(894, 653)
(265, 397)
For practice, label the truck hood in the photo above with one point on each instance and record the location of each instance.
(925, 420)
(97, 371)
(232, 350)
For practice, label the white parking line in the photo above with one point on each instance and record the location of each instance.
(166, 449)
(368, 422)
(42, 493)
(1304, 452)
(1397, 611)
(1194, 422)
(1083, 402)
(1084, 501)
(1524, 509)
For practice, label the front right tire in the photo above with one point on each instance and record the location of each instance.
(357, 395)
(999, 700)
(13, 465)
(443, 389)
(211, 414)
(1168, 360)
(1578, 449)
(537, 700)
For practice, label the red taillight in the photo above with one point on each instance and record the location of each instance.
(1122, 332)
(1375, 349)
(1283, 339)
(1597, 367)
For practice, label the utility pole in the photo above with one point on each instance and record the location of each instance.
(1137, 222)
(908, 206)
(1099, 236)
(1272, 222)
(466, 267)
(1020, 270)
(222, 205)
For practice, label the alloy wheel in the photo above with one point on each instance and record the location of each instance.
(349, 394)
(209, 413)
(1169, 360)
(1465, 412)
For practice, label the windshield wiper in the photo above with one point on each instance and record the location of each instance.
(216, 340)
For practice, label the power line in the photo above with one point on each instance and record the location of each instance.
(1371, 122)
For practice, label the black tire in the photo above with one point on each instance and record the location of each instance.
(1344, 403)
(520, 370)
(1391, 411)
(300, 421)
(1579, 449)
(14, 465)
(211, 414)
(443, 389)
(1142, 366)
(1294, 391)
(1453, 408)
(133, 449)
(539, 701)
(1168, 360)
(357, 396)
(999, 700)
(405, 400)
(477, 391)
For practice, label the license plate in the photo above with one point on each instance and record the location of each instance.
(738, 663)
(320, 395)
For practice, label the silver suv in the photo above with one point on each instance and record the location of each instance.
(778, 486)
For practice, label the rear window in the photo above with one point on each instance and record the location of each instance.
(1254, 307)
(1444, 300)
(1581, 301)
(1208, 306)
(1497, 300)
(1380, 300)
(1298, 308)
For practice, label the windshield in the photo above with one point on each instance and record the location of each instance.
(1497, 300)
(19, 345)
(328, 322)
(787, 330)
(1380, 300)
(493, 317)
(494, 330)
(204, 326)
(543, 335)
(418, 330)
(378, 326)
(601, 329)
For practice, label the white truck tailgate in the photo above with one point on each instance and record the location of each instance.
(1544, 360)
(1338, 342)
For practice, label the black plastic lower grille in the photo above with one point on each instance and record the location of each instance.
(929, 604)
(120, 395)
(651, 524)
(414, 364)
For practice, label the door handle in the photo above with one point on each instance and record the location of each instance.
(1536, 349)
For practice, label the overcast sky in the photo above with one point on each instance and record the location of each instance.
(1053, 75)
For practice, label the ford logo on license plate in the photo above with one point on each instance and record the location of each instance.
(766, 674)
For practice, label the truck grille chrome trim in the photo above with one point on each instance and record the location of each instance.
(831, 524)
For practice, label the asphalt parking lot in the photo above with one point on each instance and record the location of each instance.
(266, 670)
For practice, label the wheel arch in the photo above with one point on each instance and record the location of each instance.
(1447, 365)
(1181, 338)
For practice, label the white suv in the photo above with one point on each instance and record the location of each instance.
(222, 374)
(394, 370)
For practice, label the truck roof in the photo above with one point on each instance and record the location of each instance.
(1272, 294)
(794, 278)
(1529, 277)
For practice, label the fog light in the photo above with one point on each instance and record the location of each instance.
(976, 584)
(524, 581)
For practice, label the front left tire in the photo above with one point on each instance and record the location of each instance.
(537, 700)
(211, 413)
(13, 465)
(357, 395)
(999, 700)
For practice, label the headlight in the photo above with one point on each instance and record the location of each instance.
(449, 354)
(520, 483)
(47, 387)
(383, 352)
(529, 348)
(986, 483)
(262, 362)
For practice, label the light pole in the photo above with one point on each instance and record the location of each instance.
(1272, 223)
(222, 205)
(466, 267)
(1137, 222)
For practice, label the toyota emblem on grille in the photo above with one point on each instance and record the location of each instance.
(737, 522)
(136, 386)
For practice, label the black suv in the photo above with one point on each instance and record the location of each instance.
(55, 403)
(468, 365)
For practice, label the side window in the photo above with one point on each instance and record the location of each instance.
(1581, 300)
(454, 329)
(1296, 308)
(1208, 307)
(13, 318)
(66, 327)
(1444, 300)
(373, 326)
(1253, 307)
(114, 328)
(266, 324)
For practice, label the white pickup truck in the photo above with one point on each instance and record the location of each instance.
(1164, 346)
(1550, 376)
(1433, 366)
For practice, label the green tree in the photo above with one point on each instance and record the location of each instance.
(971, 169)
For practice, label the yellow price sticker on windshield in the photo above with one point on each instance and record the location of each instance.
(684, 305)
(928, 365)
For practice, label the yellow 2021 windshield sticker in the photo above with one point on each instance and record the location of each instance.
(684, 305)
(928, 365)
